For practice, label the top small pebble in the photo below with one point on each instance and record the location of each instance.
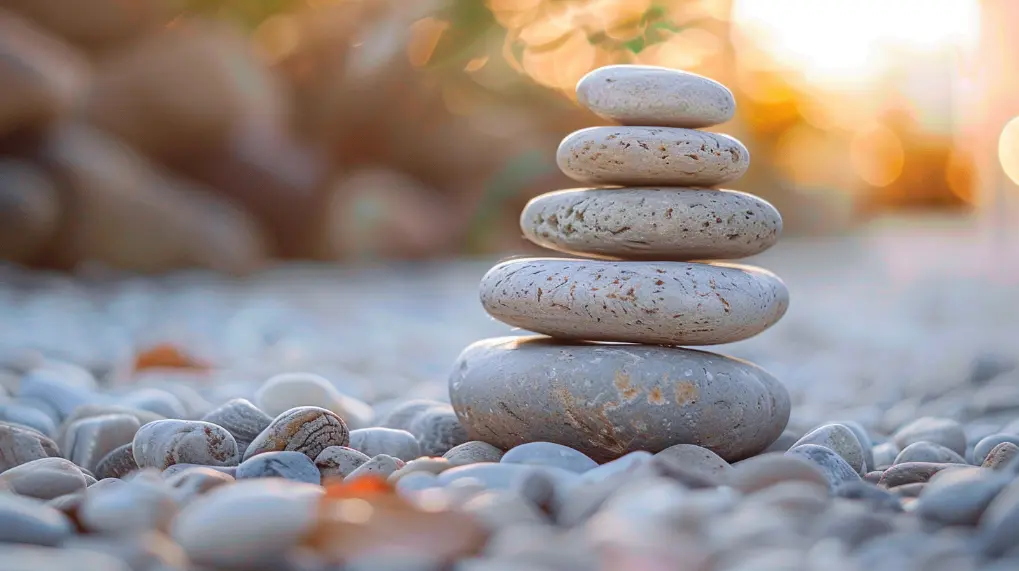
(655, 96)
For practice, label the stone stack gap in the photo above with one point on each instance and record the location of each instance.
(607, 377)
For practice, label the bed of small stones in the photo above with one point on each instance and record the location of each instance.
(900, 454)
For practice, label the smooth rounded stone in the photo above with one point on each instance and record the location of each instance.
(608, 400)
(193, 482)
(647, 156)
(943, 431)
(241, 419)
(94, 409)
(983, 448)
(623, 465)
(285, 464)
(20, 444)
(146, 551)
(392, 441)
(699, 460)
(866, 443)
(999, 524)
(1001, 456)
(497, 509)
(141, 503)
(45, 478)
(339, 461)
(836, 470)
(403, 414)
(874, 476)
(164, 443)
(154, 400)
(784, 442)
(676, 469)
(667, 303)
(909, 490)
(118, 463)
(29, 520)
(549, 454)
(45, 558)
(89, 440)
(438, 430)
(287, 391)
(171, 471)
(854, 527)
(89, 479)
(56, 390)
(959, 497)
(652, 224)
(265, 518)
(652, 95)
(432, 466)
(381, 465)
(885, 454)
(415, 482)
(473, 452)
(912, 472)
(20, 413)
(876, 498)
(499, 476)
(305, 429)
(928, 452)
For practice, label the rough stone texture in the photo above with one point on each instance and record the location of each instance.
(45, 478)
(840, 439)
(305, 429)
(90, 439)
(241, 419)
(382, 466)
(669, 303)
(652, 223)
(392, 441)
(608, 400)
(284, 464)
(1001, 456)
(20, 444)
(647, 156)
(163, 443)
(473, 452)
(438, 430)
(339, 461)
(944, 431)
(652, 95)
(983, 448)
(912, 472)
(118, 463)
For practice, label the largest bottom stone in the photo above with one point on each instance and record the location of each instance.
(607, 400)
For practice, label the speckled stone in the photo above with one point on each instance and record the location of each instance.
(647, 156)
(652, 223)
(288, 465)
(983, 448)
(943, 431)
(834, 467)
(20, 444)
(928, 452)
(392, 441)
(473, 452)
(88, 440)
(911, 472)
(608, 400)
(863, 437)
(45, 478)
(438, 430)
(884, 455)
(549, 454)
(118, 463)
(240, 418)
(668, 303)
(29, 520)
(382, 465)
(839, 439)
(164, 443)
(698, 459)
(305, 429)
(1001, 456)
(652, 95)
(339, 461)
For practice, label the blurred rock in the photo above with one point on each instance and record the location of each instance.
(97, 23)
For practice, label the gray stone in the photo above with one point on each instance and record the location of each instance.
(293, 390)
(282, 464)
(699, 460)
(654, 224)
(785, 441)
(339, 461)
(146, 551)
(839, 439)
(649, 156)
(999, 523)
(164, 443)
(28, 520)
(855, 528)
(306, 429)
(45, 478)
(143, 502)
(241, 419)
(928, 452)
(55, 390)
(193, 482)
(765, 470)
(392, 441)
(94, 409)
(875, 498)
(180, 468)
(402, 415)
(943, 431)
(415, 482)
(638, 302)
(20, 413)
(549, 454)
(438, 430)
(497, 509)
(89, 440)
(1001, 456)
(608, 400)
(913, 472)
(863, 437)
(118, 463)
(473, 452)
(20, 444)
(983, 448)
(628, 464)
(884, 455)
(381, 465)
(835, 469)
(430, 465)
(36, 558)
(959, 497)
(154, 400)
(912, 490)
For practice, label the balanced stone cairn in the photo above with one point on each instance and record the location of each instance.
(654, 212)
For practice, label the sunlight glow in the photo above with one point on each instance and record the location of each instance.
(1008, 149)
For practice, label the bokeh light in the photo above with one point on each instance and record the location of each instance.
(877, 155)
(1008, 149)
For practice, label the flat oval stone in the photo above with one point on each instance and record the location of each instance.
(305, 429)
(646, 156)
(841, 440)
(21, 444)
(959, 497)
(667, 303)
(26, 415)
(240, 418)
(983, 448)
(164, 443)
(652, 95)
(652, 223)
(834, 467)
(473, 452)
(392, 441)
(29, 520)
(1001, 457)
(549, 454)
(928, 452)
(45, 478)
(290, 390)
(339, 461)
(606, 400)
(89, 440)
(698, 459)
(944, 431)
(381, 465)
(287, 465)
(118, 463)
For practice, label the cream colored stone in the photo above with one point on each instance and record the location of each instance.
(652, 223)
(644, 156)
(652, 95)
(668, 303)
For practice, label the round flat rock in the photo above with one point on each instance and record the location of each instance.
(666, 303)
(652, 95)
(643, 156)
(652, 223)
(607, 400)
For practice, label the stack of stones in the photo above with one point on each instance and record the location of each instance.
(608, 379)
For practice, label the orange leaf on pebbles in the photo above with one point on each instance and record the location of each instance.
(166, 356)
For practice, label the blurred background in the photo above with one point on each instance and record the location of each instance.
(158, 134)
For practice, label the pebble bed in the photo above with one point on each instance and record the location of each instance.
(900, 353)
